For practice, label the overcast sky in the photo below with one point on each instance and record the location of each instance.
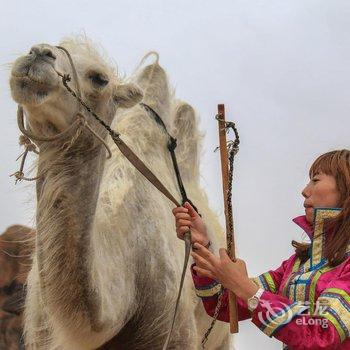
(280, 66)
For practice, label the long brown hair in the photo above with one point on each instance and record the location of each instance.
(337, 164)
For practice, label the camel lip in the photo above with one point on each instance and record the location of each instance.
(27, 79)
(25, 89)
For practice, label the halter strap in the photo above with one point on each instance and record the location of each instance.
(29, 134)
(172, 143)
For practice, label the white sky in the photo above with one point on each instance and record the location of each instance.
(281, 67)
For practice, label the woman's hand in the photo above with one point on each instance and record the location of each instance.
(186, 217)
(232, 275)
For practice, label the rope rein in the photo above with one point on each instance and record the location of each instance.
(29, 147)
(233, 148)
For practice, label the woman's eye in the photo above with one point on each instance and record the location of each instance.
(98, 79)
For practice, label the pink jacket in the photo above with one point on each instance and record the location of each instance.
(305, 306)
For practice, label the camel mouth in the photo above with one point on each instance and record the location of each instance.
(31, 81)
(30, 90)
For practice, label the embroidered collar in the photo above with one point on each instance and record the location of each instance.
(317, 234)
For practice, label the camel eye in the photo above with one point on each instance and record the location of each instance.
(98, 79)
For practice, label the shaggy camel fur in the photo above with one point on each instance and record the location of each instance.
(16, 246)
(107, 261)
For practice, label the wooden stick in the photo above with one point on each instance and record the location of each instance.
(225, 173)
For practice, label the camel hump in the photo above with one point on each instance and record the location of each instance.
(185, 130)
(16, 246)
(14, 238)
(16, 232)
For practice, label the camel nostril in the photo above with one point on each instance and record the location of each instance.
(42, 51)
(33, 51)
(49, 53)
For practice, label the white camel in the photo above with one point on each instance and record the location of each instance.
(107, 261)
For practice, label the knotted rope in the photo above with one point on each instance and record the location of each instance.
(29, 147)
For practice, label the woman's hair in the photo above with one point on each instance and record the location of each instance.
(336, 164)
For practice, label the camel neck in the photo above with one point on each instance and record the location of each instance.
(65, 212)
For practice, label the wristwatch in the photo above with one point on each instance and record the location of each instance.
(253, 302)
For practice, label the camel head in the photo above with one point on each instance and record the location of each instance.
(37, 87)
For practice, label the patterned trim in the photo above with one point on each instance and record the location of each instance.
(338, 309)
(319, 237)
(266, 282)
(337, 326)
(312, 291)
(296, 265)
(208, 291)
(300, 287)
(270, 282)
(301, 284)
(257, 281)
(287, 286)
(306, 266)
(281, 318)
(342, 292)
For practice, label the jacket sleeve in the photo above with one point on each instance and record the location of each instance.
(208, 290)
(278, 316)
(325, 329)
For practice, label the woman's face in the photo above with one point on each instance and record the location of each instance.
(320, 192)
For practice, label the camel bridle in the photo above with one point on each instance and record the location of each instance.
(81, 122)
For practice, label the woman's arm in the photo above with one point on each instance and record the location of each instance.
(278, 316)
(208, 288)
(327, 328)
(299, 332)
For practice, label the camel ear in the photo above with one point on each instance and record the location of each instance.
(128, 95)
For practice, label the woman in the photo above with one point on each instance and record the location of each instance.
(305, 303)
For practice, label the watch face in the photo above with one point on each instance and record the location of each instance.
(253, 303)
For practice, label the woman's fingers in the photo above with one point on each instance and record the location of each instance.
(205, 253)
(203, 272)
(191, 210)
(200, 262)
(181, 215)
(224, 256)
(183, 222)
(179, 210)
(181, 231)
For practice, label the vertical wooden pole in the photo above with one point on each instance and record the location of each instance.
(225, 173)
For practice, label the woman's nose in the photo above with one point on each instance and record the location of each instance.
(305, 192)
